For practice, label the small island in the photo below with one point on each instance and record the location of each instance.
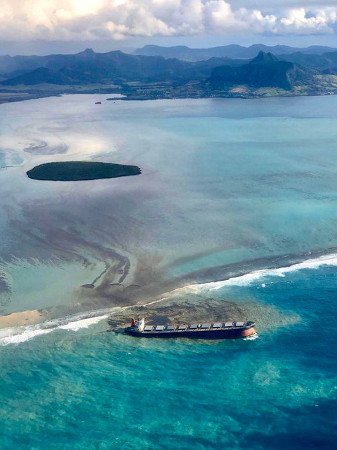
(80, 171)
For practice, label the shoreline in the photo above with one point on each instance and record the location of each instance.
(167, 310)
(175, 298)
(22, 96)
(22, 318)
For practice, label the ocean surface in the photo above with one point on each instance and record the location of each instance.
(238, 198)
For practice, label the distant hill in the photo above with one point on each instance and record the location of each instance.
(144, 77)
(265, 70)
(89, 67)
(325, 63)
(116, 67)
(42, 75)
(226, 51)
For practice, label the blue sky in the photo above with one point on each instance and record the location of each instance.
(44, 26)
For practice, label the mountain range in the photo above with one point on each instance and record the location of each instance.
(157, 76)
(227, 51)
(89, 67)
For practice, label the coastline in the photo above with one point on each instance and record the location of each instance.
(145, 93)
(45, 91)
(233, 220)
(175, 300)
(172, 309)
(22, 318)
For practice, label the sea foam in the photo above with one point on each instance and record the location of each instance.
(12, 336)
(83, 323)
(19, 335)
(256, 275)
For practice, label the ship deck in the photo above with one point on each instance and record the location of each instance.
(194, 330)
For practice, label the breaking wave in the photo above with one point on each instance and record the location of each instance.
(22, 334)
(251, 338)
(251, 277)
(18, 335)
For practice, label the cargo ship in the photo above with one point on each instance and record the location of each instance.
(215, 330)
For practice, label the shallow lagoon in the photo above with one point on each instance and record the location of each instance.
(225, 182)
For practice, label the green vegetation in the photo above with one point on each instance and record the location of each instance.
(80, 170)
(140, 77)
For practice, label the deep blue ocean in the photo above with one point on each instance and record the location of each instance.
(224, 182)
(93, 389)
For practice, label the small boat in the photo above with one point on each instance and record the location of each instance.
(215, 330)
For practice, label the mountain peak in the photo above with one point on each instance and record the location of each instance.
(264, 58)
(87, 51)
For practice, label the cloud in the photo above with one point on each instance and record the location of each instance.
(119, 19)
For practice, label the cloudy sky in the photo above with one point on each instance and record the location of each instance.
(125, 23)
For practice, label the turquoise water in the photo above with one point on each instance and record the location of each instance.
(223, 181)
(246, 184)
(93, 389)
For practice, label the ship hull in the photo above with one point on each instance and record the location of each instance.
(231, 333)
